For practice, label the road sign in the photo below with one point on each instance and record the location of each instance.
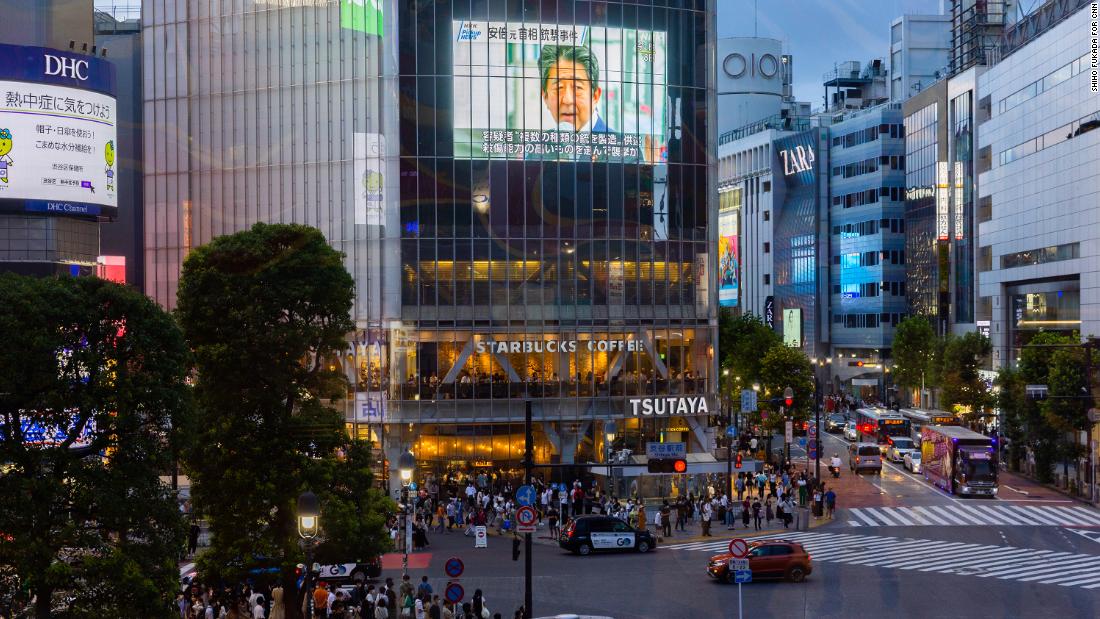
(802, 441)
(812, 431)
(454, 592)
(739, 565)
(789, 431)
(739, 548)
(454, 567)
(748, 400)
(662, 451)
(742, 576)
(525, 495)
(731, 431)
(525, 519)
(481, 539)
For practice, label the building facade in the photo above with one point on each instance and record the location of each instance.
(920, 53)
(539, 234)
(1039, 228)
(866, 243)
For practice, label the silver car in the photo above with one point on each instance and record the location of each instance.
(864, 457)
(912, 461)
(898, 447)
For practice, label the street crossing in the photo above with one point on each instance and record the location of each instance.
(972, 514)
(1046, 567)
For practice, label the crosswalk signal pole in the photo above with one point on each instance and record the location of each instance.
(528, 457)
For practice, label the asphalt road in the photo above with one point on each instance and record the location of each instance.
(952, 565)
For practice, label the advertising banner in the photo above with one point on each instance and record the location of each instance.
(792, 327)
(729, 259)
(559, 92)
(58, 132)
(370, 188)
(943, 199)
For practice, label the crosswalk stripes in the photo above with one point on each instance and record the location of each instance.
(973, 515)
(1048, 567)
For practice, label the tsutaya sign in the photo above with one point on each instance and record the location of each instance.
(662, 407)
(539, 346)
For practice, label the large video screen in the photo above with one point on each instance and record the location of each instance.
(559, 92)
(59, 151)
(729, 262)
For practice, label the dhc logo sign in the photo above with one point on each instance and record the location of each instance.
(67, 67)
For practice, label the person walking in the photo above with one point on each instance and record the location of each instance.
(666, 519)
(769, 509)
(740, 485)
(830, 503)
(746, 512)
(705, 516)
(756, 515)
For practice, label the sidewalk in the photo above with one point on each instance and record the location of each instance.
(1016, 486)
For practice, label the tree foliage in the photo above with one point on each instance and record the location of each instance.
(1044, 423)
(266, 312)
(962, 384)
(784, 367)
(743, 341)
(914, 350)
(92, 380)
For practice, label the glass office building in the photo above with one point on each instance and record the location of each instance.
(557, 222)
(520, 188)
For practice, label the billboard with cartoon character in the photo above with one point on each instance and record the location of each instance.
(58, 132)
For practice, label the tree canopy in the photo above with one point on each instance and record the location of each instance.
(92, 381)
(266, 312)
(913, 351)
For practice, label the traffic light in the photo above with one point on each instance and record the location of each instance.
(788, 397)
(737, 463)
(667, 465)
(515, 549)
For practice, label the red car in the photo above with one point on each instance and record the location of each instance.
(767, 559)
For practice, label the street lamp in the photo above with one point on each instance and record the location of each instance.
(609, 436)
(406, 464)
(309, 524)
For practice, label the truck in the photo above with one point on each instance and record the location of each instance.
(959, 461)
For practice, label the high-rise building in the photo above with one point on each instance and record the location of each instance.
(540, 235)
(920, 53)
(866, 242)
(1038, 153)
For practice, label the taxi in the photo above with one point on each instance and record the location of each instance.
(587, 533)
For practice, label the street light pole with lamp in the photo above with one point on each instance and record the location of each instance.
(309, 525)
(406, 464)
(609, 437)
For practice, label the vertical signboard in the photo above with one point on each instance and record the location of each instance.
(943, 188)
(769, 312)
(367, 168)
(958, 200)
(729, 262)
(792, 327)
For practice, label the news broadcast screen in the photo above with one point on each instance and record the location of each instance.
(559, 92)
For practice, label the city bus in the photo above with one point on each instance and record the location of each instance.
(919, 418)
(878, 425)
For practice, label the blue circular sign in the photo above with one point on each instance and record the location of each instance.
(454, 592)
(412, 485)
(525, 495)
(454, 567)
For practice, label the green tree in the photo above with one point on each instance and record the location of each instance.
(1045, 439)
(266, 312)
(742, 343)
(92, 379)
(1067, 404)
(913, 349)
(780, 368)
(962, 384)
(1011, 399)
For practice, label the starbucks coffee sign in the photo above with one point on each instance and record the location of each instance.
(667, 406)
